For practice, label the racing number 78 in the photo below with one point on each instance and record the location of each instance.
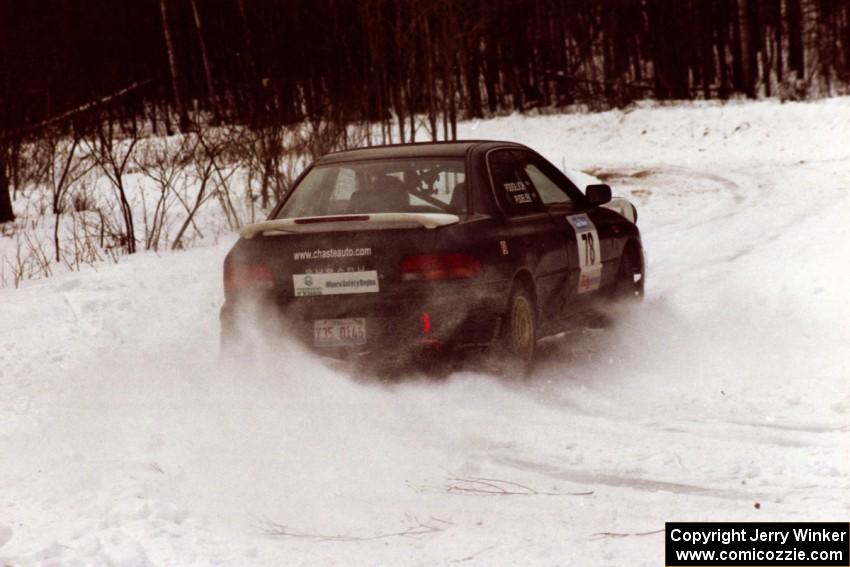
(589, 249)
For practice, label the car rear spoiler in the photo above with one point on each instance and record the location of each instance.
(351, 222)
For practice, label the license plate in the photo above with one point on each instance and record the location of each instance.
(339, 332)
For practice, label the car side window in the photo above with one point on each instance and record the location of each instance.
(550, 184)
(513, 188)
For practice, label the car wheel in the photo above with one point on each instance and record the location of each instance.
(519, 333)
(630, 278)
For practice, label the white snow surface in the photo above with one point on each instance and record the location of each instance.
(723, 396)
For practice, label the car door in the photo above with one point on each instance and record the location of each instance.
(530, 238)
(587, 233)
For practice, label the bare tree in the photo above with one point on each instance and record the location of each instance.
(173, 67)
(205, 57)
(747, 49)
(7, 214)
(794, 21)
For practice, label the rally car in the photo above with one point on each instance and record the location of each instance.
(395, 250)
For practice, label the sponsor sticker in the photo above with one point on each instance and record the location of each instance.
(335, 284)
(580, 222)
(331, 253)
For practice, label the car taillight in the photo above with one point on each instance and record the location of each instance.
(238, 277)
(439, 267)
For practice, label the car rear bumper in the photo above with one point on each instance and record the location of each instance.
(395, 324)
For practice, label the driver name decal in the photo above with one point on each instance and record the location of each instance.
(341, 283)
(518, 191)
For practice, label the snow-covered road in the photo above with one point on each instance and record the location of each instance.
(724, 396)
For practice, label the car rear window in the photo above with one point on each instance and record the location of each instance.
(427, 185)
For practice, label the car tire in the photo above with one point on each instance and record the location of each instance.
(630, 277)
(519, 336)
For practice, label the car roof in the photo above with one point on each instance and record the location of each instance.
(457, 148)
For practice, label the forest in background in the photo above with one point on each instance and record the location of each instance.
(100, 70)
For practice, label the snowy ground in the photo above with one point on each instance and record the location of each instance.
(724, 396)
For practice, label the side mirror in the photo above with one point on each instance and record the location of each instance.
(598, 194)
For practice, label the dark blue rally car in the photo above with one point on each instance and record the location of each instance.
(437, 246)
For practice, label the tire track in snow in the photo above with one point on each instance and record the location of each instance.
(592, 478)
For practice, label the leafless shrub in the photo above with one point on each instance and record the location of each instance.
(211, 180)
(177, 178)
(216, 144)
(81, 198)
(111, 233)
(29, 165)
(64, 166)
(17, 265)
(164, 165)
(315, 138)
(85, 247)
(30, 259)
(37, 253)
(262, 156)
(92, 238)
(274, 154)
(112, 155)
(793, 88)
